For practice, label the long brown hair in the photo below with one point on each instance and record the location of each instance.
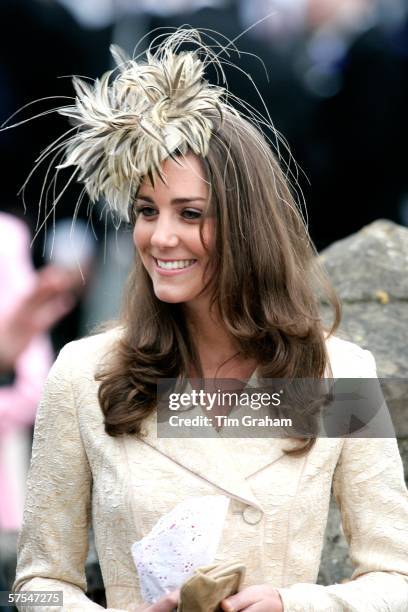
(267, 287)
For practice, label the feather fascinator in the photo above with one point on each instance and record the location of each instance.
(130, 123)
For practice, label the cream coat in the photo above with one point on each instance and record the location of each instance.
(278, 510)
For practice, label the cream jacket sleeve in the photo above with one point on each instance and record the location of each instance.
(52, 551)
(373, 503)
(370, 491)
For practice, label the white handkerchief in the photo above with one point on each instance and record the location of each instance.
(182, 540)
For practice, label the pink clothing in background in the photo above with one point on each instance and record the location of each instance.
(18, 402)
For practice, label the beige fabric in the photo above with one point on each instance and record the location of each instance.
(209, 585)
(277, 515)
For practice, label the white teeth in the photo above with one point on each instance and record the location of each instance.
(175, 265)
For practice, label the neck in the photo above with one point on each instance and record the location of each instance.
(213, 343)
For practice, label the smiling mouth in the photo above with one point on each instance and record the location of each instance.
(176, 264)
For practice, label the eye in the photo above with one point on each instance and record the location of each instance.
(191, 214)
(145, 211)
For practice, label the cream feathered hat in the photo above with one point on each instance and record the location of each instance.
(136, 116)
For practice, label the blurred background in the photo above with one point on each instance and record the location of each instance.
(335, 86)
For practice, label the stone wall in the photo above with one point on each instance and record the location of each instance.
(369, 270)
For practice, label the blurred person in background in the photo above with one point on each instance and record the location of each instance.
(349, 60)
(357, 67)
(31, 303)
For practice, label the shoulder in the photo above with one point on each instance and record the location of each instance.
(348, 360)
(83, 357)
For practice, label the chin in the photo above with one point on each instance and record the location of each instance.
(170, 297)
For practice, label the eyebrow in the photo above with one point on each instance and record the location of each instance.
(174, 200)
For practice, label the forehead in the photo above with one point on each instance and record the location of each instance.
(184, 177)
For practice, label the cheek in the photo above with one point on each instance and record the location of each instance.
(140, 236)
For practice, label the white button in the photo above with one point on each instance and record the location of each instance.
(252, 515)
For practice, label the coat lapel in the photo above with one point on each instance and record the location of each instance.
(206, 457)
(212, 458)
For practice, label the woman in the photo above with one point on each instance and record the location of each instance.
(224, 284)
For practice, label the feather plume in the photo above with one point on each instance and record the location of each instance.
(138, 115)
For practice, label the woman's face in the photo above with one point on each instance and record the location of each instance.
(167, 230)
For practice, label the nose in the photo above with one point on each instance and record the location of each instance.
(164, 233)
